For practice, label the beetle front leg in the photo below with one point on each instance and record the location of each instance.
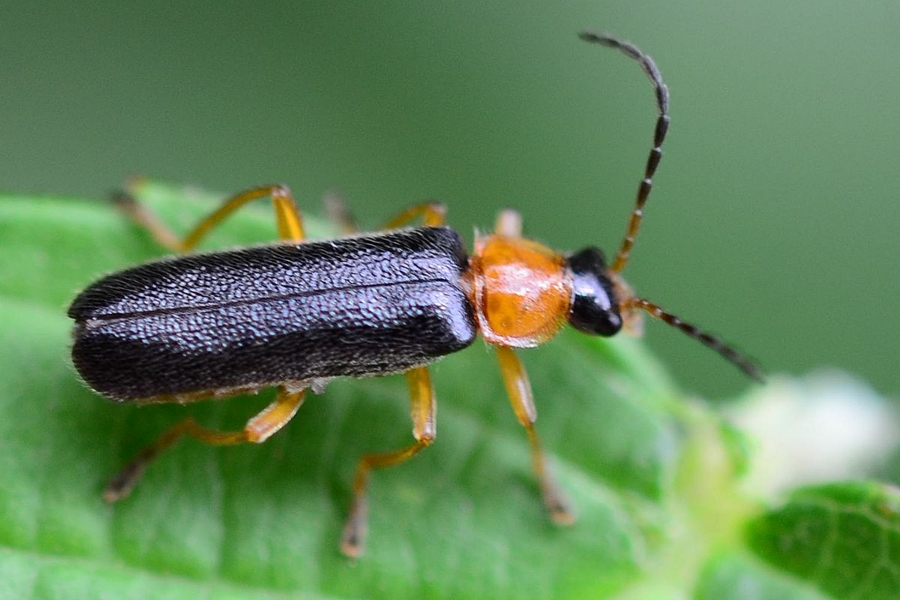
(257, 430)
(508, 223)
(287, 216)
(519, 390)
(423, 408)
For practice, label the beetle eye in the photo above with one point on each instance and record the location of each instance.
(595, 308)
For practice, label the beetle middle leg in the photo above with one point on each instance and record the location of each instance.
(287, 215)
(433, 214)
(257, 430)
(423, 408)
(519, 390)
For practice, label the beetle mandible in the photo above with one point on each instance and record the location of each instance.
(296, 314)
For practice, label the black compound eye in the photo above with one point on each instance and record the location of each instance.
(595, 308)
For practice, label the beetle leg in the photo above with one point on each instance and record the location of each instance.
(434, 214)
(519, 390)
(148, 220)
(423, 408)
(290, 223)
(257, 430)
(287, 215)
(509, 223)
(339, 213)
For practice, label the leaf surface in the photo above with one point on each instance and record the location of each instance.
(462, 520)
(653, 478)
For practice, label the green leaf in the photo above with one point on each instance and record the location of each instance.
(736, 576)
(843, 538)
(653, 477)
(463, 520)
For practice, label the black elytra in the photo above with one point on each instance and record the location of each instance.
(294, 315)
(278, 314)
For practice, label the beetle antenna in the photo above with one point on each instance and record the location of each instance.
(659, 134)
(750, 368)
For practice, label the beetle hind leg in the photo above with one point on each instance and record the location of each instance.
(257, 430)
(288, 218)
(423, 408)
(146, 219)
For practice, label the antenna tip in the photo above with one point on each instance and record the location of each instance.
(598, 37)
(753, 371)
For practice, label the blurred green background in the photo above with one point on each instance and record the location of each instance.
(775, 213)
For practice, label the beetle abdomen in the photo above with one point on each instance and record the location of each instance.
(361, 306)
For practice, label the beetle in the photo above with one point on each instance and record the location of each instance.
(296, 314)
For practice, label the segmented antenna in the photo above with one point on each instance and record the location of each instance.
(659, 134)
(730, 354)
(634, 223)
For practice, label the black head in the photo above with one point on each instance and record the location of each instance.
(595, 308)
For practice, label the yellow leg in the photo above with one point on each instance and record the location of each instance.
(519, 390)
(433, 214)
(257, 430)
(287, 215)
(423, 409)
